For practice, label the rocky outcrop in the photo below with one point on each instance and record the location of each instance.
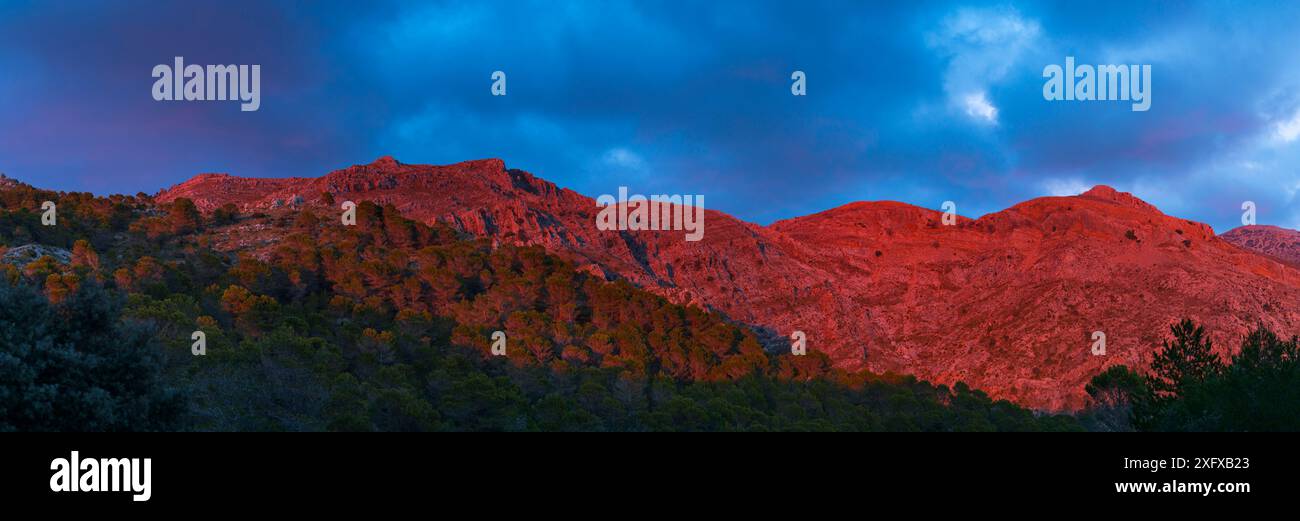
(1279, 243)
(7, 183)
(21, 256)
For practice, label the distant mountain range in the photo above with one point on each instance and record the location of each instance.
(1007, 303)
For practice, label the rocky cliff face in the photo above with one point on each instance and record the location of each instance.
(26, 254)
(1279, 243)
(7, 183)
(1007, 303)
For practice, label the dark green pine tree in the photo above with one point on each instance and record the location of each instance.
(75, 366)
(1186, 361)
(1117, 394)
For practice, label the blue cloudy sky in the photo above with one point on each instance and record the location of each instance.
(914, 101)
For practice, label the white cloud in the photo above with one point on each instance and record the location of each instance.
(1288, 130)
(624, 159)
(981, 45)
(1292, 191)
(978, 106)
(1064, 187)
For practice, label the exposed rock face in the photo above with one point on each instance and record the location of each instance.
(21, 256)
(7, 182)
(1280, 243)
(1006, 303)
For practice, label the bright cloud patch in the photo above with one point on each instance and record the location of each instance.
(981, 45)
(625, 159)
(1288, 130)
(1065, 187)
(978, 106)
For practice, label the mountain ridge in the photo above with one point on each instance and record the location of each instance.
(1277, 242)
(1007, 302)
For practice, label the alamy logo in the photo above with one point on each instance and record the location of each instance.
(658, 212)
(1101, 83)
(349, 216)
(498, 343)
(212, 83)
(102, 475)
(498, 83)
(949, 213)
(1098, 343)
(200, 345)
(49, 217)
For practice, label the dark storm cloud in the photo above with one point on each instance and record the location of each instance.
(920, 102)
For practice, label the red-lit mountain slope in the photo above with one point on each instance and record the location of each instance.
(1006, 303)
(1280, 243)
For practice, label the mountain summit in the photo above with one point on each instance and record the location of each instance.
(1008, 303)
(1279, 243)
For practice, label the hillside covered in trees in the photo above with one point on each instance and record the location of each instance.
(387, 325)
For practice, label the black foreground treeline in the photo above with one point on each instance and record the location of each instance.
(1191, 388)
